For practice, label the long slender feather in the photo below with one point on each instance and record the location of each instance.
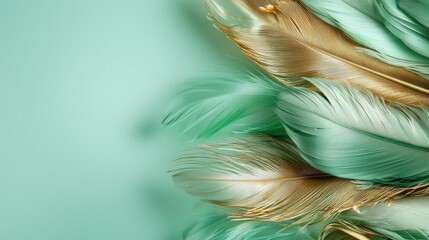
(362, 231)
(267, 180)
(209, 222)
(369, 32)
(205, 106)
(411, 213)
(418, 9)
(411, 32)
(352, 134)
(289, 41)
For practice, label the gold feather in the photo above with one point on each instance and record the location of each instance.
(267, 180)
(290, 42)
(347, 230)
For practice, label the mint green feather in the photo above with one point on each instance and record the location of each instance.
(407, 29)
(403, 220)
(205, 106)
(401, 235)
(350, 133)
(209, 222)
(408, 215)
(346, 230)
(362, 25)
(367, 7)
(418, 9)
(411, 32)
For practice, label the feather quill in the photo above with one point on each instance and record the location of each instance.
(267, 180)
(289, 41)
(352, 134)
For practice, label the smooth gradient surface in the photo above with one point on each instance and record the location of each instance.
(83, 88)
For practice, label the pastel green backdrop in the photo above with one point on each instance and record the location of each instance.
(83, 88)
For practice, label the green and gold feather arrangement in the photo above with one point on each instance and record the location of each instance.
(330, 142)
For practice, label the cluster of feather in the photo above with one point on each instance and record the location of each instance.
(333, 138)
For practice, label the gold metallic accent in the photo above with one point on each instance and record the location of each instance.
(293, 43)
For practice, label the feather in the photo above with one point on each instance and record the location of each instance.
(367, 7)
(344, 163)
(209, 222)
(289, 41)
(418, 9)
(369, 32)
(411, 213)
(351, 230)
(345, 230)
(352, 134)
(267, 180)
(209, 105)
(411, 32)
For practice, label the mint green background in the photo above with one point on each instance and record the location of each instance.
(83, 87)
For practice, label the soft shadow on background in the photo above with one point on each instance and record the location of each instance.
(83, 88)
